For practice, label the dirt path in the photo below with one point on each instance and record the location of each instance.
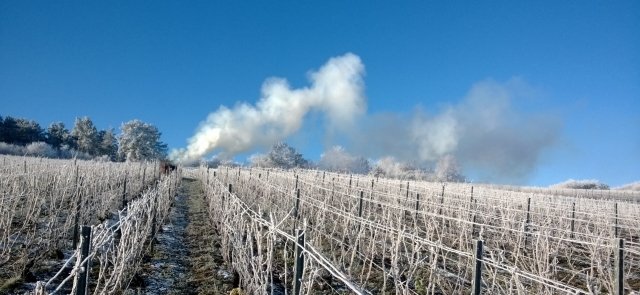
(186, 258)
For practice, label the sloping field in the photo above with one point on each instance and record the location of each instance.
(370, 235)
(267, 231)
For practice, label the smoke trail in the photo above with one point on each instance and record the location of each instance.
(336, 90)
(484, 132)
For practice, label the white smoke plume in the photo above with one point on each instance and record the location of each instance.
(336, 90)
(483, 132)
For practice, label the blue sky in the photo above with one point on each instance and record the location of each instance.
(172, 63)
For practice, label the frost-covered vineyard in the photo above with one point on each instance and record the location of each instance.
(357, 234)
(370, 235)
(43, 204)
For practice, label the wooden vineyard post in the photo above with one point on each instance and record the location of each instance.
(223, 195)
(360, 216)
(528, 211)
(417, 205)
(573, 219)
(78, 209)
(299, 266)
(360, 207)
(477, 271)
(441, 201)
(615, 220)
(154, 213)
(295, 210)
(473, 221)
(170, 195)
(333, 188)
(472, 215)
(77, 218)
(442, 205)
(526, 224)
(297, 205)
(371, 197)
(619, 267)
(76, 177)
(471, 199)
(407, 195)
(144, 174)
(83, 276)
(124, 192)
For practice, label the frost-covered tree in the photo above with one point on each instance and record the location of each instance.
(581, 184)
(11, 149)
(392, 168)
(338, 159)
(67, 152)
(447, 169)
(259, 160)
(108, 144)
(634, 186)
(41, 149)
(140, 141)
(282, 156)
(85, 135)
(57, 135)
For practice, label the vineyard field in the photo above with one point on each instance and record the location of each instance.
(68, 226)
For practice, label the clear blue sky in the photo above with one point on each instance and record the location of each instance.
(172, 63)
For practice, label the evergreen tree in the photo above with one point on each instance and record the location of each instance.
(85, 135)
(108, 143)
(2, 132)
(8, 130)
(25, 131)
(57, 135)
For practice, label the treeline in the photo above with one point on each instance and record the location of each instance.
(137, 140)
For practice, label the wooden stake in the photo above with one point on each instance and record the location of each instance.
(299, 266)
